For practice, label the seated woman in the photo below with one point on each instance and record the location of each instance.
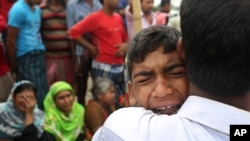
(98, 109)
(20, 119)
(63, 115)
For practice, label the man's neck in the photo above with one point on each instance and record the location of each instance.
(55, 2)
(31, 4)
(56, 5)
(239, 102)
(89, 2)
(107, 10)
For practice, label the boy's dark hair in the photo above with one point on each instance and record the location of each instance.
(217, 46)
(149, 40)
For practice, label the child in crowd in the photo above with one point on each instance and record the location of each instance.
(98, 109)
(20, 119)
(157, 74)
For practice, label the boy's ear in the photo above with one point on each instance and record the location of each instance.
(131, 97)
(180, 49)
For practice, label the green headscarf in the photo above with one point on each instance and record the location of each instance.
(64, 128)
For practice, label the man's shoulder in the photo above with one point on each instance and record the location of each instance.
(18, 6)
(72, 2)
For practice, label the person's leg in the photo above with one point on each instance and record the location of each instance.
(66, 73)
(50, 70)
(116, 74)
(31, 67)
(119, 80)
(82, 81)
(6, 84)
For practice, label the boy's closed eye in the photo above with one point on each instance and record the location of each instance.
(143, 77)
(176, 70)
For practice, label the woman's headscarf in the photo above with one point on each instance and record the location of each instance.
(12, 120)
(64, 128)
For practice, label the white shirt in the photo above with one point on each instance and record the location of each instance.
(199, 119)
(130, 22)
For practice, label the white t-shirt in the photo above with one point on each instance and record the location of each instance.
(199, 119)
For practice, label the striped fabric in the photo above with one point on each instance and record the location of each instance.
(113, 72)
(54, 32)
(31, 66)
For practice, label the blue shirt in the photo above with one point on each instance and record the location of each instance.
(28, 22)
(78, 10)
(122, 4)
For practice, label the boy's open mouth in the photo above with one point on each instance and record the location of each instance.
(169, 110)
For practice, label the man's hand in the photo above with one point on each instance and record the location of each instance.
(93, 51)
(122, 49)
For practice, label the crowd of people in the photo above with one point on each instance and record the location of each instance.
(167, 76)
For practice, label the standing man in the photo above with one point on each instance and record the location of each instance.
(6, 80)
(108, 45)
(76, 11)
(24, 45)
(58, 56)
(148, 17)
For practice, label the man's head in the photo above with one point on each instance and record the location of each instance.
(215, 39)
(165, 6)
(157, 74)
(34, 2)
(111, 4)
(147, 6)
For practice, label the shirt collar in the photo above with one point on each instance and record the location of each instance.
(213, 114)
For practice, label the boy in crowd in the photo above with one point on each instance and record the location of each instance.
(216, 50)
(157, 74)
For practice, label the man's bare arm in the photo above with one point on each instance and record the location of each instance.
(83, 42)
(12, 33)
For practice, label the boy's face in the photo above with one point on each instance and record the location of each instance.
(159, 83)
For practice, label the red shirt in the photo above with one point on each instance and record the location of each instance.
(3, 24)
(5, 6)
(106, 32)
(3, 63)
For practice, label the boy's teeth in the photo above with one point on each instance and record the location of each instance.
(171, 109)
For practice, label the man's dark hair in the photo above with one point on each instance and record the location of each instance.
(164, 2)
(216, 41)
(149, 40)
(101, 1)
